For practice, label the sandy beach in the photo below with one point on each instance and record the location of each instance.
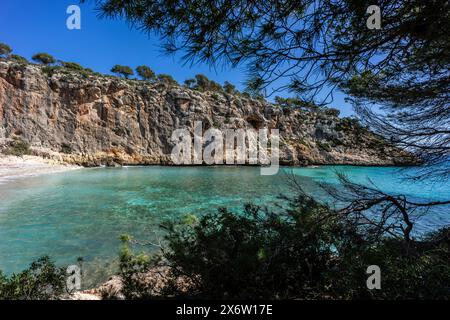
(12, 167)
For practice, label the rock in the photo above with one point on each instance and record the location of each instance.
(111, 121)
(179, 94)
(112, 289)
(153, 283)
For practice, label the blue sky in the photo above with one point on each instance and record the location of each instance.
(40, 26)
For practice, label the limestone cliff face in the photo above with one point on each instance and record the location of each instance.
(102, 120)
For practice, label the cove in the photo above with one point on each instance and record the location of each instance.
(82, 213)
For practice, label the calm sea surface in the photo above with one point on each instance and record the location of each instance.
(81, 213)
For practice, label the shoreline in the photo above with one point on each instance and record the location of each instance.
(13, 167)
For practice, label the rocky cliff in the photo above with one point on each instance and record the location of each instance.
(90, 119)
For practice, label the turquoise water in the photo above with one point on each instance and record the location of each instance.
(83, 212)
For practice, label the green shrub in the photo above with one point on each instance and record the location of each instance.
(42, 281)
(348, 125)
(66, 148)
(50, 70)
(88, 72)
(190, 83)
(217, 124)
(123, 71)
(131, 267)
(229, 88)
(302, 141)
(202, 83)
(19, 59)
(5, 50)
(305, 252)
(18, 148)
(254, 255)
(72, 66)
(167, 79)
(43, 58)
(145, 73)
(332, 112)
(336, 142)
(205, 84)
(323, 146)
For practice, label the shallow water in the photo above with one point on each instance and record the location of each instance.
(82, 213)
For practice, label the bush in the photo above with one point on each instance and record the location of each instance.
(332, 112)
(145, 73)
(348, 124)
(18, 148)
(323, 146)
(216, 124)
(43, 58)
(189, 83)
(132, 266)
(256, 255)
(305, 252)
(72, 66)
(229, 88)
(167, 79)
(246, 95)
(123, 71)
(19, 59)
(202, 83)
(66, 148)
(50, 70)
(5, 50)
(87, 72)
(42, 281)
(296, 103)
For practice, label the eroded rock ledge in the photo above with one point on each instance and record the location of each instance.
(93, 120)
